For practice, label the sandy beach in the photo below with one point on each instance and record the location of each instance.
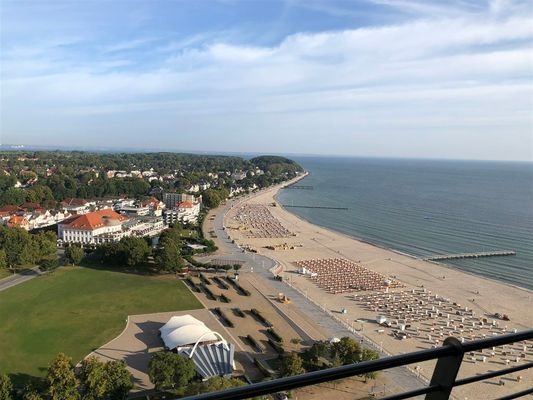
(435, 301)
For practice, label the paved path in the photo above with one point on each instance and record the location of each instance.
(19, 278)
(401, 378)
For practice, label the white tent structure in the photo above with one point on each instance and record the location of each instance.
(212, 355)
(188, 335)
(177, 322)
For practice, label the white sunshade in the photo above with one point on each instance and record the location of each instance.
(179, 321)
(187, 335)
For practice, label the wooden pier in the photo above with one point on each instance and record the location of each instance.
(495, 253)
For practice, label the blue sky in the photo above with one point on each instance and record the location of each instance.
(402, 78)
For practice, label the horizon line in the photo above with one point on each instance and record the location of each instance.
(114, 150)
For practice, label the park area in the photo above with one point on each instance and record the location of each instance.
(76, 310)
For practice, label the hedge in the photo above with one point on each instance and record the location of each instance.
(193, 285)
(275, 335)
(254, 343)
(208, 292)
(223, 317)
(224, 298)
(260, 317)
(239, 313)
(278, 347)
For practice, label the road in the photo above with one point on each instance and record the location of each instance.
(19, 278)
(401, 378)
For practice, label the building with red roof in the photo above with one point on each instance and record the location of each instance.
(93, 227)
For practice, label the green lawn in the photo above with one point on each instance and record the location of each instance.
(76, 310)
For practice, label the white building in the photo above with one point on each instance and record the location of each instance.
(184, 212)
(95, 227)
(238, 175)
(77, 206)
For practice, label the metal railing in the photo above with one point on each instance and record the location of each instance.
(449, 358)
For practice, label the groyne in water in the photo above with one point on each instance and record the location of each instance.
(304, 187)
(496, 253)
(322, 207)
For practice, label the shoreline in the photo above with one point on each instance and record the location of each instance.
(457, 289)
(383, 247)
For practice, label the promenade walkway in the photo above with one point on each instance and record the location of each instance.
(400, 378)
(19, 278)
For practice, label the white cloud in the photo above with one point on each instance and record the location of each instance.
(472, 72)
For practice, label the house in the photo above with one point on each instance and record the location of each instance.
(77, 206)
(144, 226)
(171, 200)
(181, 208)
(156, 207)
(18, 221)
(238, 175)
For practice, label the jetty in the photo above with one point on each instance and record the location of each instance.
(303, 187)
(495, 253)
(321, 207)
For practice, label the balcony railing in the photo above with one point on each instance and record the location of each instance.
(449, 358)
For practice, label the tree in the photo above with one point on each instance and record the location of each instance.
(30, 393)
(237, 267)
(13, 196)
(99, 380)
(290, 365)
(119, 380)
(168, 257)
(214, 384)
(134, 250)
(316, 355)
(93, 379)
(169, 370)
(74, 254)
(6, 388)
(211, 198)
(3, 259)
(45, 245)
(16, 243)
(369, 355)
(347, 350)
(226, 268)
(61, 379)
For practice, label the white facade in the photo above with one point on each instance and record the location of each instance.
(188, 214)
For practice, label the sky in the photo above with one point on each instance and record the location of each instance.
(386, 78)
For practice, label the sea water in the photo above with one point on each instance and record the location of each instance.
(426, 208)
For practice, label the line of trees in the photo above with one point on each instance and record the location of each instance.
(135, 252)
(53, 176)
(171, 372)
(95, 380)
(324, 354)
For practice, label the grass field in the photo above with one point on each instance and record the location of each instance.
(76, 310)
(4, 273)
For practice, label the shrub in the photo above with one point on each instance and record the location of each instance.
(276, 346)
(208, 292)
(260, 317)
(238, 312)
(275, 335)
(254, 343)
(224, 298)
